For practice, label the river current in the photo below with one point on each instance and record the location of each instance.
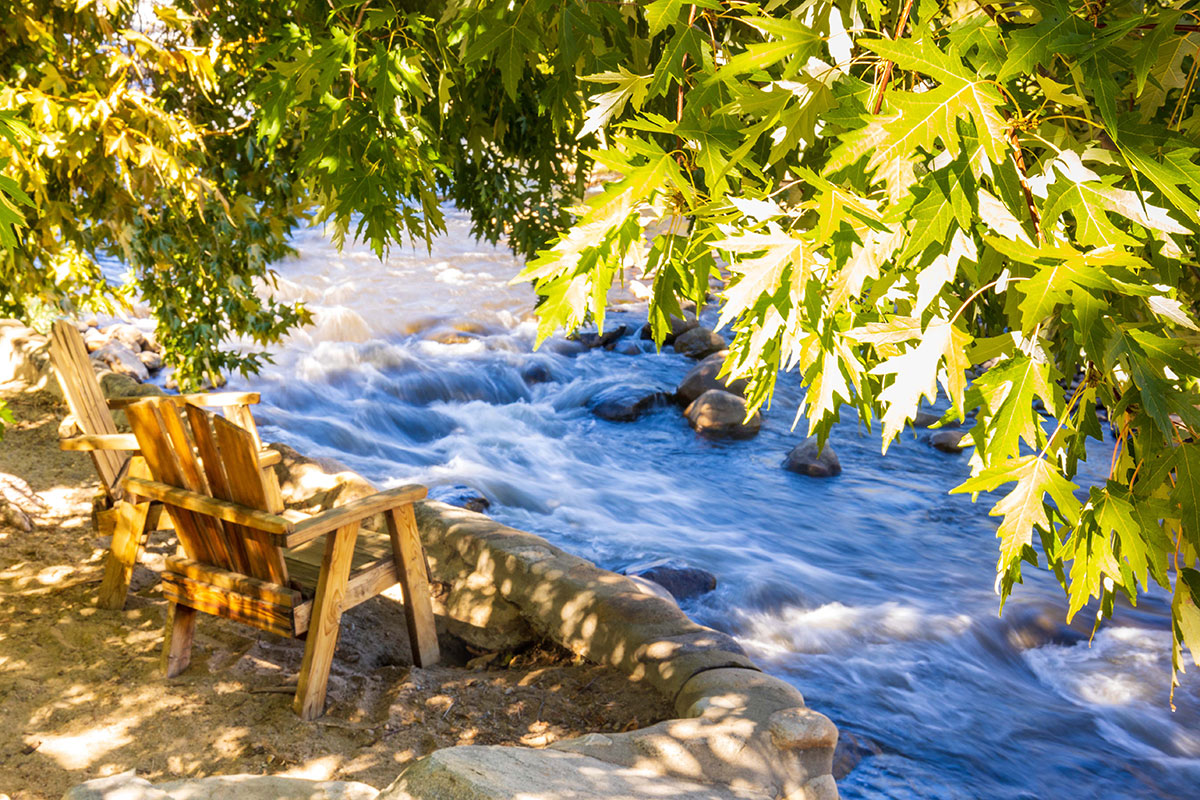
(871, 592)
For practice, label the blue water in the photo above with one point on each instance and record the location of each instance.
(870, 592)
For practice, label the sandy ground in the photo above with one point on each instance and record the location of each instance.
(82, 697)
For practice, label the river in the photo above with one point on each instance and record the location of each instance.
(870, 592)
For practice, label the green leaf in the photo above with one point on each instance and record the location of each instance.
(661, 13)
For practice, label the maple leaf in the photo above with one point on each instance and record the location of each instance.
(762, 274)
(1007, 392)
(916, 370)
(1024, 508)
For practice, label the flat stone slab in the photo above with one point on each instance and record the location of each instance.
(505, 773)
(127, 786)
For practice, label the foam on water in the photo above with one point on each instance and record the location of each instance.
(872, 592)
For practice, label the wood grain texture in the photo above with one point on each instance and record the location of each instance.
(220, 601)
(129, 536)
(244, 481)
(354, 512)
(177, 639)
(202, 399)
(273, 524)
(100, 441)
(325, 622)
(414, 578)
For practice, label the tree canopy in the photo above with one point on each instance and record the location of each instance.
(896, 191)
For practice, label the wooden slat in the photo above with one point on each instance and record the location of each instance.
(414, 578)
(100, 441)
(194, 479)
(234, 581)
(244, 480)
(304, 562)
(325, 622)
(202, 399)
(206, 445)
(353, 512)
(222, 602)
(155, 448)
(85, 399)
(129, 534)
(177, 639)
(272, 524)
(366, 583)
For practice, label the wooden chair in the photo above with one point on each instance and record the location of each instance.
(111, 452)
(245, 561)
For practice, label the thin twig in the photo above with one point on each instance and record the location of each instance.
(885, 76)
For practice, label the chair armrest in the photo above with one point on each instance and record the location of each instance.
(355, 511)
(100, 441)
(204, 399)
(236, 513)
(269, 458)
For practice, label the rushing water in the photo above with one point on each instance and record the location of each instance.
(871, 592)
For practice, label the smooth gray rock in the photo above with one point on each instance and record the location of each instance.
(265, 787)
(678, 326)
(681, 580)
(151, 359)
(947, 441)
(924, 419)
(507, 773)
(717, 414)
(703, 377)
(625, 403)
(806, 459)
(699, 343)
(127, 335)
(126, 786)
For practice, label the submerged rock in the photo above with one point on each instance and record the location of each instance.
(721, 415)
(626, 403)
(699, 342)
(536, 372)
(681, 580)
(947, 441)
(461, 496)
(807, 459)
(703, 377)
(850, 751)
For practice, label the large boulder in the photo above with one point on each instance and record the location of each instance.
(266, 787)
(808, 458)
(699, 342)
(24, 354)
(504, 773)
(721, 415)
(625, 403)
(703, 377)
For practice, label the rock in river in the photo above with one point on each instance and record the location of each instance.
(462, 496)
(806, 459)
(947, 441)
(699, 342)
(625, 403)
(704, 377)
(721, 415)
(682, 581)
(678, 326)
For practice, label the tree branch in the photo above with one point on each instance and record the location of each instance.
(885, 75)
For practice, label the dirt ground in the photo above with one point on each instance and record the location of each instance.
(82, 697)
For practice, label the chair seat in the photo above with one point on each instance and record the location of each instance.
(304, 562)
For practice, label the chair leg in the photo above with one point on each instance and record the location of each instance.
(129, 535)
(414, 579)
(177, 640)
(325, 622)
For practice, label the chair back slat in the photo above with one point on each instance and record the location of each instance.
(210, 456)
(244, 483)
(190, 472)
(85, 399)
(147, 423)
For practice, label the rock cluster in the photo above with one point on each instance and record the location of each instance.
(124, 349)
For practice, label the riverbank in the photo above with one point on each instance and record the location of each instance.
(84, 697)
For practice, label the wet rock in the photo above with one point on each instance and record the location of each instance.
(703, 377)
(947, 441)
(122, 360)
(628, 349)
(678, 326)
(650, 587)
(536, 372)
(606, 340)
(807, 459)
(1028, 627)
(682, 581)
(717, 414)
(563, 347)
(461, 496)
(451, 337)
(850, 751)
(626, 403)
(699, 342)
(924, 419)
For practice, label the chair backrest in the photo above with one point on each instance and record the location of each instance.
(209, 455)
(85, 399)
